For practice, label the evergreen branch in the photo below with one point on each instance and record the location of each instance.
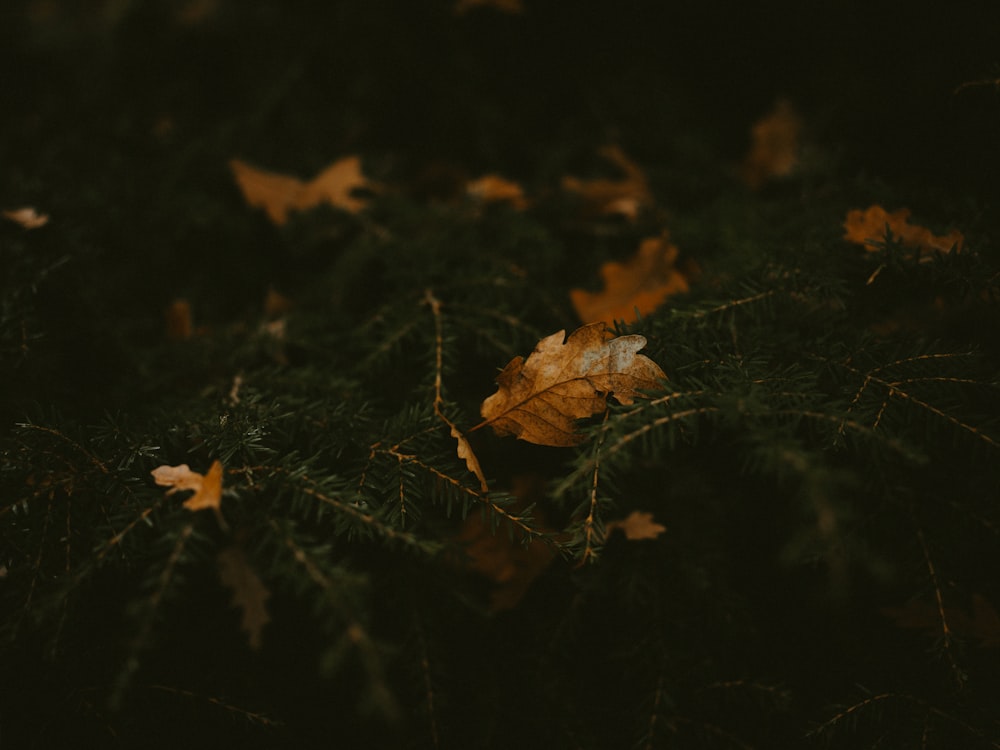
(938, 412)
(464, 447)
(151, 609)
(930, 710)
(346, 508)
(254, 717)
(479, 496)
(354, 635)
(117, 538)
(714, 730)
(620, 443)
(48, 430)
(654, 714)
(942, 616)
(425, 669)
(731, 305)
(590, 521)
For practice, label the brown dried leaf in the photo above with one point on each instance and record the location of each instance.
(504, 558)
(179, 321)
(626, 196)
(540, 398)
(774, 150)
(867, 227)
(492, 188)
(634, 288)
(278, 194)
(27, 217)
(636, 525)
(207, 488)
(249, 592)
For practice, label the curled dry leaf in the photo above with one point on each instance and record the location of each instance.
(626, 196)
(27, 217)
(636, 525)
(774, 148)
(278, 194)
(250, 594)
(492, 188)
(634, 288)
(867, 227)
(207, 488)
(539, 399)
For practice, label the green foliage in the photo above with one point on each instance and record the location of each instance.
(826, 446)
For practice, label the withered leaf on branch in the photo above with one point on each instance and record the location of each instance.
(207, 488)
(539, 399)
(278, 194)
(636, 287)
(249, 592)
(868, 226)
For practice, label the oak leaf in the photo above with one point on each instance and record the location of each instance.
(506, 559)
(250, 594)
(626, 196)
(207, 488)
(636, 525)
(867, 227)
(278, 194)
(27, 217)
(634, 288)
(774, 148)
(540, 398)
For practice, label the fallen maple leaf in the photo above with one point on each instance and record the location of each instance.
(774, 148)
(636, 525)
(278, 194)
(249, 592)
(868, 227)
(626, 196)
(27, 217)
(492, 188)
(207, 488)
(634, 288)
(540, 398)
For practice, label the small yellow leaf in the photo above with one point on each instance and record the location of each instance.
(637, 525)
(207, 488)
(278, 194)
(540, 398)
(249, 592)
(636, 287)
(867, 227)
(179, 320)
(27, 217)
